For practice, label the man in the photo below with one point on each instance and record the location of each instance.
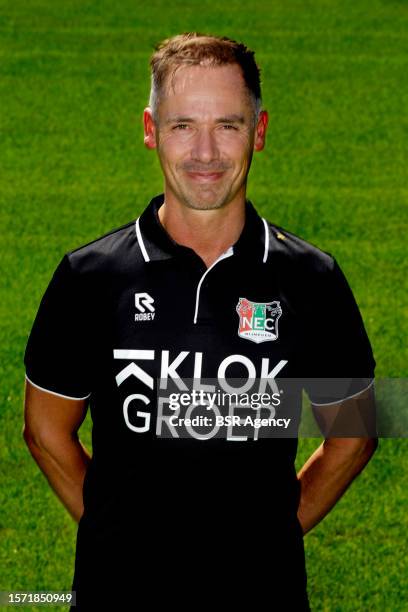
(199, 287)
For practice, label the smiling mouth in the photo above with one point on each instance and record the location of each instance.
(205, 177)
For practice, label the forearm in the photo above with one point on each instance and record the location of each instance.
(64, 463)
(326, 475)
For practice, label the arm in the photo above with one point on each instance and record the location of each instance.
(50, 431)
(336, 462)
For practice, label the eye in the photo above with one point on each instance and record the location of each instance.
(180, 126)
(228, 126)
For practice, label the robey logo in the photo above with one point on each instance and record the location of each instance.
(143, 302)
(168, 370)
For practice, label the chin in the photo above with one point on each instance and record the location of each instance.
(205, 203)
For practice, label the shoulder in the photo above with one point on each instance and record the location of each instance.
(110, 252)
(295, 253)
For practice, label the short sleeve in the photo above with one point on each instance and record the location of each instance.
(338, 353)
(56, 352)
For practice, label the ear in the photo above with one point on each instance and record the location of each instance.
(149, 129)
(260, 131)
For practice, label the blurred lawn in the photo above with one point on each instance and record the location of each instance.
(73, 83)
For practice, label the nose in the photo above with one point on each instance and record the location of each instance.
(205, 147)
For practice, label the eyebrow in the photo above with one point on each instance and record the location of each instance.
(226, 119)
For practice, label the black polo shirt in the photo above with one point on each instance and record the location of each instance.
(183, 518)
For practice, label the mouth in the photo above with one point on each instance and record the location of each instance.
(205, 177)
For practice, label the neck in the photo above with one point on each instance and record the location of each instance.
(208, 232)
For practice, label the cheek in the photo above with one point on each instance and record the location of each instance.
(238, 147)
(172, 148)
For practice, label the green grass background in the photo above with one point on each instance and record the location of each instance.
(73, 83)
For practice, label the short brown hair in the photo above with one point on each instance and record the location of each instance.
(193, 48)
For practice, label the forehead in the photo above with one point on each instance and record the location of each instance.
(205, 88)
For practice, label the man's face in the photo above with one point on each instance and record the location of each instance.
(205, 135)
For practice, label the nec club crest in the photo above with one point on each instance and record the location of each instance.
(258, 321)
